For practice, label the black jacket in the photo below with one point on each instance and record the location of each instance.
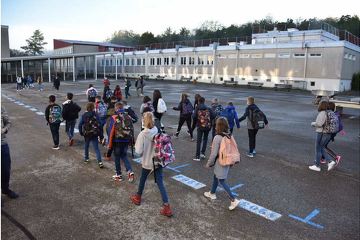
(70, 110)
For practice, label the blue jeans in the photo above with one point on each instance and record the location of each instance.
(202, 136)
(69, 128)
(321, 140)
(94, 141)
(120, 152)
(5, 168)
(40, 87)
(54, 128)
(159, 181)
(102, 124)
(225, 186)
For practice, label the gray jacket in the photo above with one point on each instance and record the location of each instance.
(320, 121)
(220, 172)
(144, 146)
(5, 125)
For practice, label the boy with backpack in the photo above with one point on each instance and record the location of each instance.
(256, 120)
(121, 132)
(224, 154)
(91, 92)
(144, 146)
(127, 88)
(89, 127)
(107, 94)
(70, 113)
(231, 115)
(186, 109)
(53, 116)
(203, 117)
(101, 111)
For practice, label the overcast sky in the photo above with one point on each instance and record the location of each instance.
(96, 20)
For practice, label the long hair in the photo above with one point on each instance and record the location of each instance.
(148, 120)
(323, 106)
(156, 95)
(184, 96)
(222, 125)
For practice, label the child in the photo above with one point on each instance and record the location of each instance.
(220, 172)
(91, 93)
(231, 115)
(117, 93)
(127, 88)
(144, 146)
(53, 116)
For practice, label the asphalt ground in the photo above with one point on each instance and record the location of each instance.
(61, 197)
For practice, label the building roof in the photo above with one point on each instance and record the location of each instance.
(103, 44)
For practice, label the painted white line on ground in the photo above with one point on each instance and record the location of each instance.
(188, 181)
(27, 106)
(20, 104)
(40, 113)
(33, 109)
(259, 210)
(62, 124)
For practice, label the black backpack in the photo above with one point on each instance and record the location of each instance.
(91, 127)
(257, 118)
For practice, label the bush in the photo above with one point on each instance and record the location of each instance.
(355, 82)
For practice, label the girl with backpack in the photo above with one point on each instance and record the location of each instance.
(159, 109)
(185, 107)
(117, 93)
(322, 138)
(196, 103)
(144, 146)
(220, 172)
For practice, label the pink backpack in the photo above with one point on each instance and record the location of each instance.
(164, 152)
(228, 152)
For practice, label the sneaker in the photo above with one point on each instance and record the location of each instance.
(131, 176)
(166, 210)
(337, 159)
(234, 204)
(254, 152)
(71, 142)
(251, 155)
(315, 168)
(210, 195)
(197, 159)
(101, 165)
(322, 161)
(188, 132)
(11, 194)
(136, 199)
(192, 139)
(331, 165)
(86, 160)
(202, 156)
(56, 147)
(176, 135)
(117, 177)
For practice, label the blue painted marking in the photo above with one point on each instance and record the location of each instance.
(308, 218)
(259, 210)
(181, 166)
(236, 186)
(176, 167)
(27, 106)
(173, 169)
(188, 181)
(232, 188)
(138, 160)
(20, 104)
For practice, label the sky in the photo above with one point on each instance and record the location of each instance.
(97, 20)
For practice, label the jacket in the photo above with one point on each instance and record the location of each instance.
(202, 107)
(231, 115)
(144, 146)
(82, 122)
(248, 110)
(180, 108)
(320, 121)
(111, 130)
(70, 110)
(5, 125)
(221, 172)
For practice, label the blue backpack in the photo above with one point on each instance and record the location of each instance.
(187, 108)
(102, 109)
(92, 93)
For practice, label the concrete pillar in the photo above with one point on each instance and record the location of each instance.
(104, 66)
(22, 68)
(41, 70)
(49, 68)
(95, 67)
(85, 68)
(116, 69)
(73, 68)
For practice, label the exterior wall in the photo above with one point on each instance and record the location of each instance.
(5, 48)
(60, 44)
(85, 48)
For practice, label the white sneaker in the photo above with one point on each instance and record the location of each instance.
(331, 165)
(202, 156)
(210, 195)
(315, 168)
(234, 204)
(197, 159)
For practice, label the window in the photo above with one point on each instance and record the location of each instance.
(152, 61)
(221, 79)
(158, 61)
(191, 61)
(312, 84)
(183, 61)
(315, 55)
(232, 79)
(256, 55)
(132, 62)
(210, 60)
(269, 55)
(166, 61)
(244, 55)
(255, 79)
(120, 62)
(268, 80)
(143, 61)
(284, 55)
(173, 60)
(299, 55)
(127, 62)
(138, 61)
(107, 62)
(243, 79)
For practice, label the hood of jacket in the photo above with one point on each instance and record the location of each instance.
(202, 106)
(229, 108)
(150, 133)
(66, 102)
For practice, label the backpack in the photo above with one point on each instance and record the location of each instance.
(161, 106)
(257, 119)
(332, 123)
(148, 107)
(187, 108)
(55, 115)
(164, 151)
(101, 109)
(18, 80)
(91, 127)
(124, 128)
(228, 152)
(92, 93)
(204, 118)
(108, 94)
(218, 110)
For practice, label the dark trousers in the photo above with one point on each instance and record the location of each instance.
(70, 127)
(182, 119)
(127, 93)
(202, 137)
(252, 139)
(5, 168)
(54, 128)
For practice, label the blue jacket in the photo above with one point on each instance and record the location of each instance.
(82, 121)
(231, 115)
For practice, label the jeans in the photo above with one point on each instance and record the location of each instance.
(127, 93)
(120, 152)
(159, 181)
(202, 136)
(182, 119)
(252, 139)
(321, 140)
(69, 128)
(94, 141)
(18, 86)
(54, 128)
(40, 86)
(5, 168)
(225, 186)
(102, 124)
(157, 124)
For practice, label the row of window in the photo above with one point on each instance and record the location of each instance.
(350, 56)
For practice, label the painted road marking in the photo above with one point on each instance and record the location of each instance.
(232, 188)
(175, 169)
(62, 124)
(259, 210)
(33, 109)
(138, 160)
(188, 181)
(308, 218)
(20, 104)
(40, 113)
(27, 106)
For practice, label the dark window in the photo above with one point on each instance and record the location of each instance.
(312, 84)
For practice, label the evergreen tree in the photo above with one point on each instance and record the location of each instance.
(35, 44)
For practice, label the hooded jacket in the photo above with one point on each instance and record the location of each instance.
(248, 110)
(144, 146)
(231, 115)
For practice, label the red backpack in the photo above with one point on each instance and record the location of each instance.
(204, 120)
